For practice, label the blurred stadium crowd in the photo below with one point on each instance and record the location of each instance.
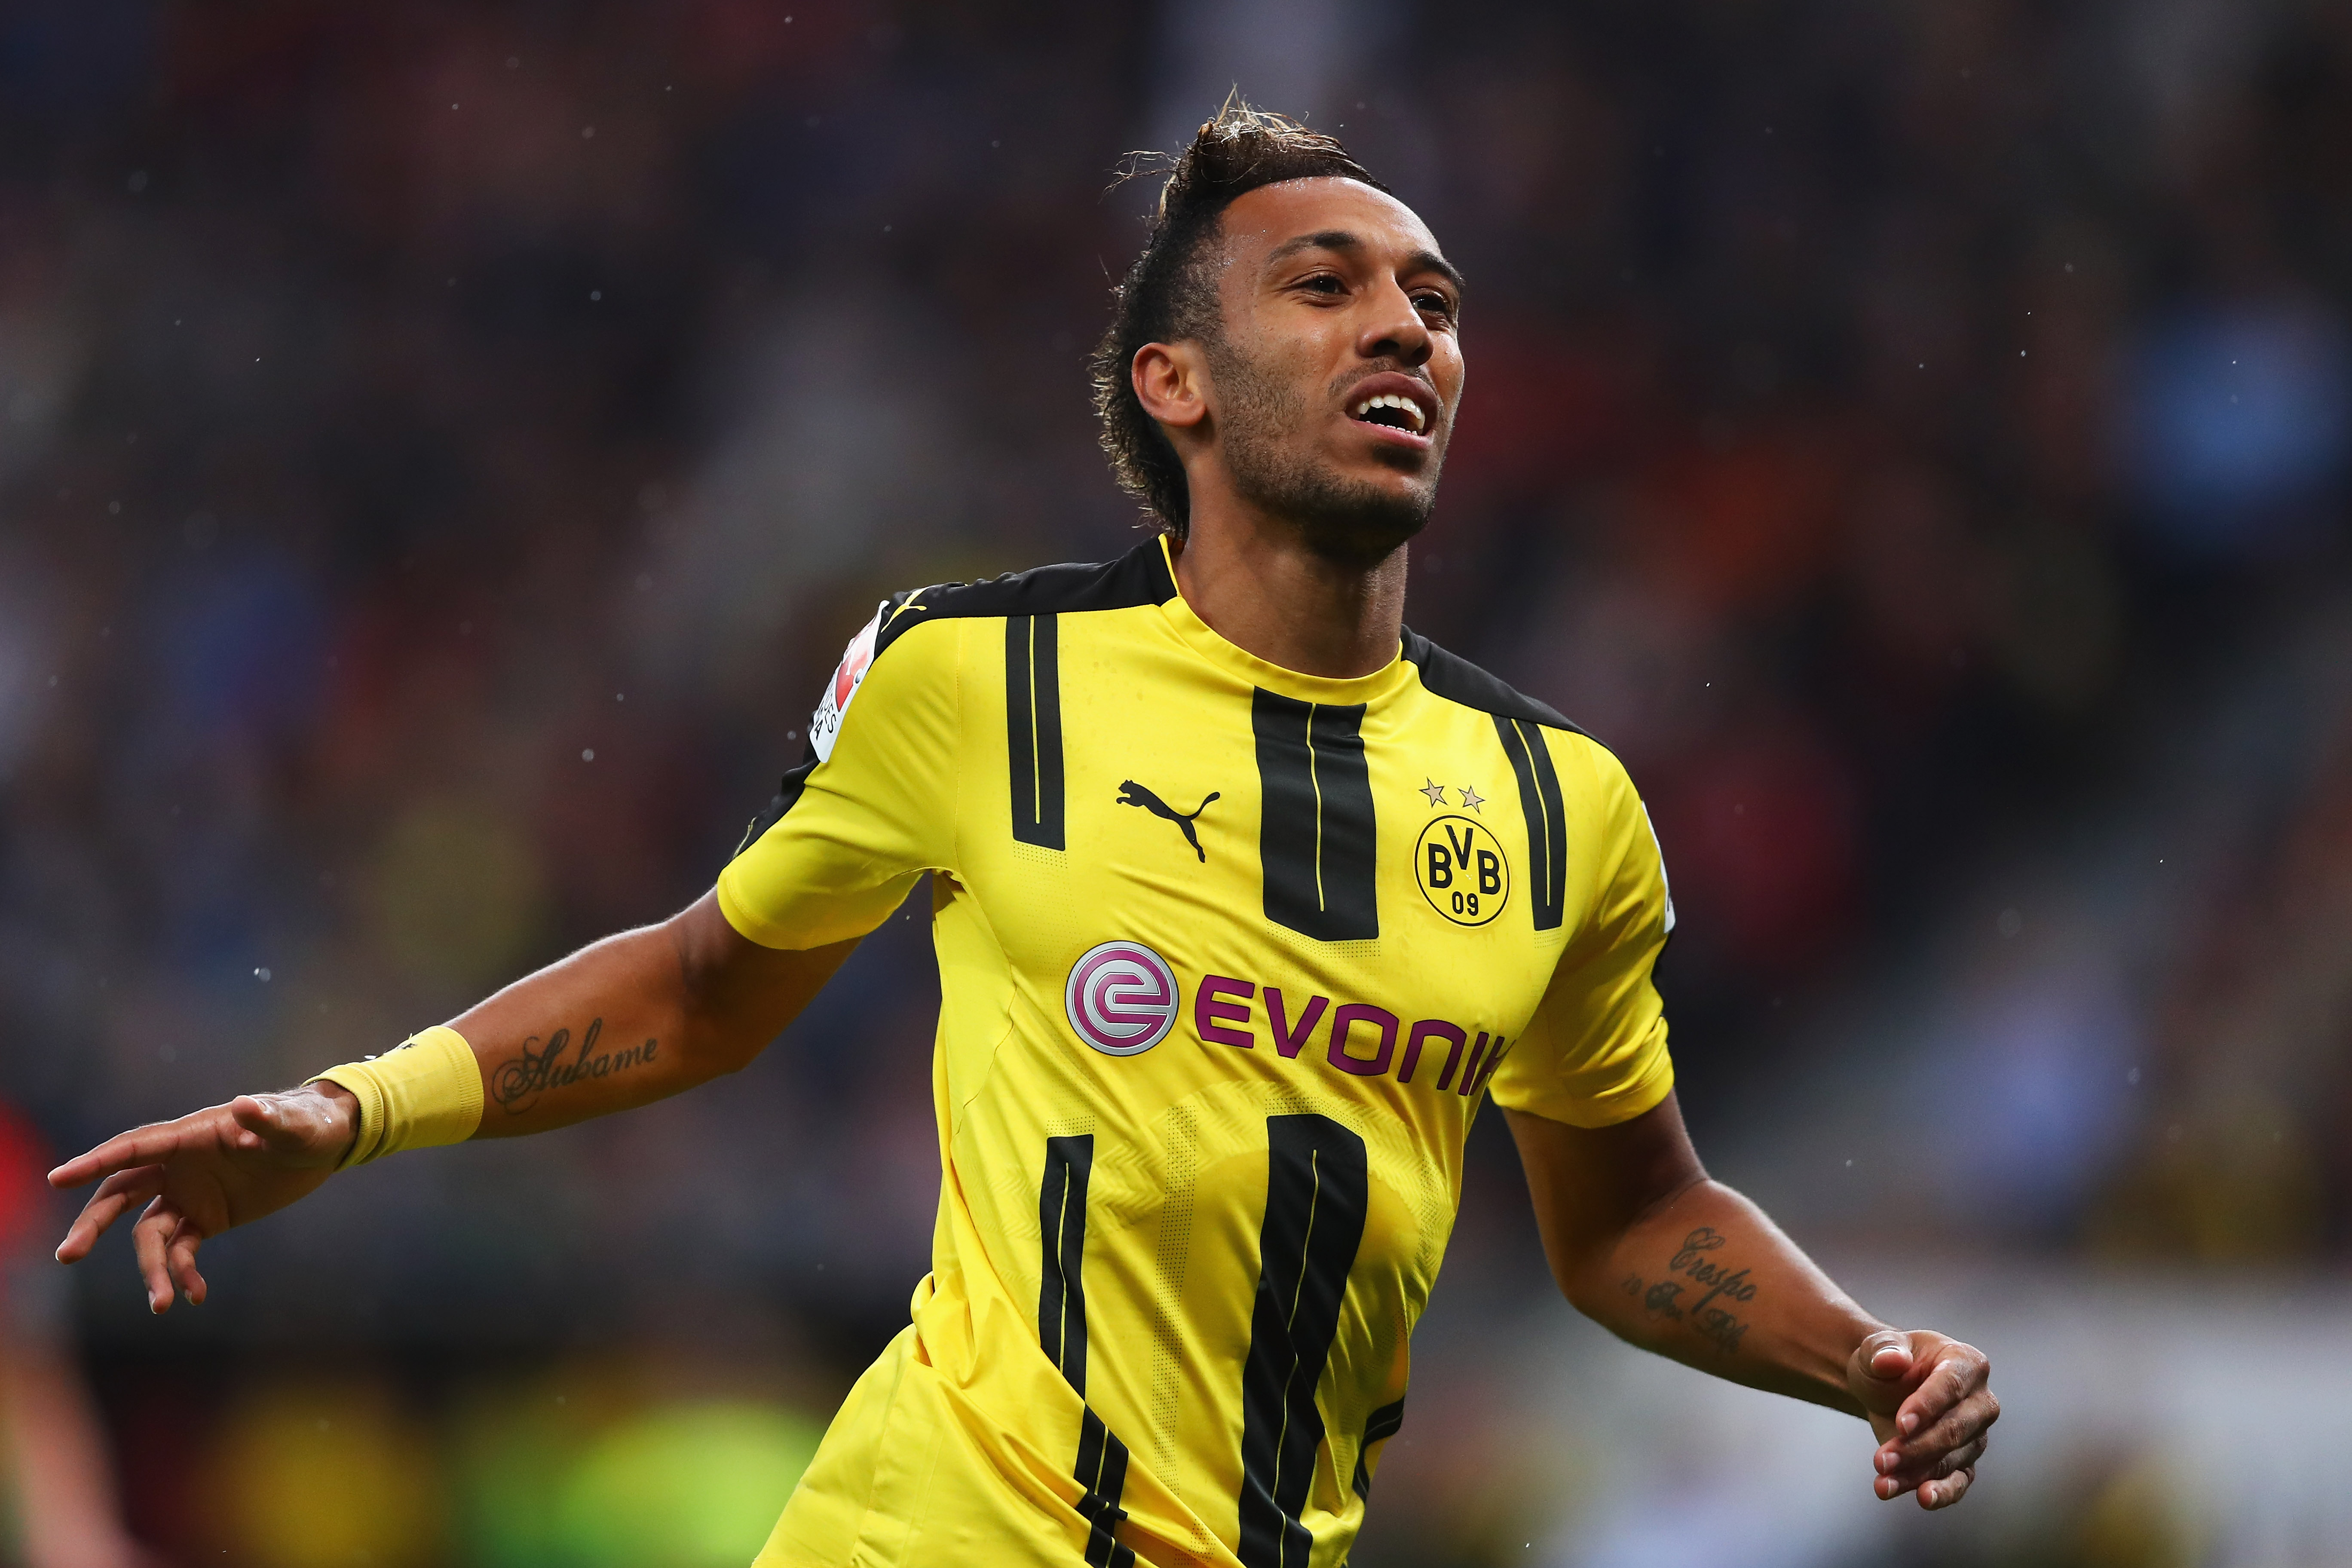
(443, 447)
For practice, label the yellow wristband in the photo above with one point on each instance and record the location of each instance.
(424, 1092)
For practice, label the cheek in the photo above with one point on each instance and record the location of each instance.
(1303, 349)
(1308, 361)
(1449, 373)
(1295, 379)
(1277, 375)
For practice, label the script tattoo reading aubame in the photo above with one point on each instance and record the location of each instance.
(1713, 1321)
(518, 1084)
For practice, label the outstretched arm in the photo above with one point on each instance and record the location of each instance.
(635, 1018)
(628, 1021)
(1643, 1243)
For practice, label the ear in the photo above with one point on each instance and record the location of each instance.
(1171, 382)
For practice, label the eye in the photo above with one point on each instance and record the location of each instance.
(1323, 283)
(1435, 304)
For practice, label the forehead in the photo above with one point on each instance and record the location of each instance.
(1259, 222)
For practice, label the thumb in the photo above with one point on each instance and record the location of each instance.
(1881, 1369)
(263, 1119)
(1885, 1356)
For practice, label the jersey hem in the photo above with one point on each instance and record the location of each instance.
(746, 924)
(1645, 1093)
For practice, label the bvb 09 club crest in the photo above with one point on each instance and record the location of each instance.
(1462, 870)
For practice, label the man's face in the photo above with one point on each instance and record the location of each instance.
(1333, 386)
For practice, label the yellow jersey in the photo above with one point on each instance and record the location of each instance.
(1229, 957)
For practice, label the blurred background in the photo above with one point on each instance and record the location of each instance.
(443, 448)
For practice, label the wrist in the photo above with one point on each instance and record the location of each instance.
(338, 1117)
(1830, 1360)
(426, 1091)
(1860, 1331)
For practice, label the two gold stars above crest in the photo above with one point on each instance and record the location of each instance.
(1469, 794)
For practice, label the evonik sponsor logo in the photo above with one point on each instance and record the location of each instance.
(1357, 1037)
(1121, 998)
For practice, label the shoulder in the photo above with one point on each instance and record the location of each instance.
(1137, 578)
(916, 680)
(1456, 679)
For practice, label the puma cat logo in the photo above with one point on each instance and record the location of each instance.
(1133, 793)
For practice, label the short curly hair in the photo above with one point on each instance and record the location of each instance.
(1170, 293)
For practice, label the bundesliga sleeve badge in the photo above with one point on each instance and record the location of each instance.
(825, 724)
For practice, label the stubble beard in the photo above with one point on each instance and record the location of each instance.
(1342, 520)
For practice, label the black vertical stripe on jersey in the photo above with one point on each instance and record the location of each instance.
(1033, 727)
(1102, 1470)
(1317, 841)
(1317, 1186)
(1524, 743)
(1381, 1424)
(1101, 1467)
(1062, 1291)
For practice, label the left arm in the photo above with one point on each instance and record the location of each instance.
(1643, 1243)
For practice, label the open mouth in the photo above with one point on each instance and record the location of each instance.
(1391, 409)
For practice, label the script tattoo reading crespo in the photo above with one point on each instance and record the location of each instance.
(1713, 1321)
(518, 1084)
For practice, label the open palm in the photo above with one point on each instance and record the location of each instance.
(222, 1166)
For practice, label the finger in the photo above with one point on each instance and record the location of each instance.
(1946, 1384)
(252, 1123)
(1881, 1372)
(267, 1122)
(1944, 1493)
(1885, 1355)
(1963, 1424)
(147, 1240)
(301, 1125)
(1964, 1457)
(117, 1193)
(179, 1258)
(140, 1146)
(1934, 1466)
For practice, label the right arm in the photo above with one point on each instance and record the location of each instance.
(662, 1009)
(666, 1007)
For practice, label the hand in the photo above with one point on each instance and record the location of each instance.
(222, 1167)
(1928, 1399)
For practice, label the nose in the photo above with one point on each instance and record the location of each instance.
(1393, 329)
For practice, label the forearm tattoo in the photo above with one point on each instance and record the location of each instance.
(518, 1084)
(1711, 1315)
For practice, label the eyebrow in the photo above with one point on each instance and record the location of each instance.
(1341, 240)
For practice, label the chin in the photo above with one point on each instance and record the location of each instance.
(1363, 524)
(1355, 513)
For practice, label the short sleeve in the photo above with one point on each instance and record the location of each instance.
(1595, 1053)
(871, 808)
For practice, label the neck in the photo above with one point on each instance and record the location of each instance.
(1254, 581)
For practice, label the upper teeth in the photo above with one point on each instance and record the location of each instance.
(1405, 405)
